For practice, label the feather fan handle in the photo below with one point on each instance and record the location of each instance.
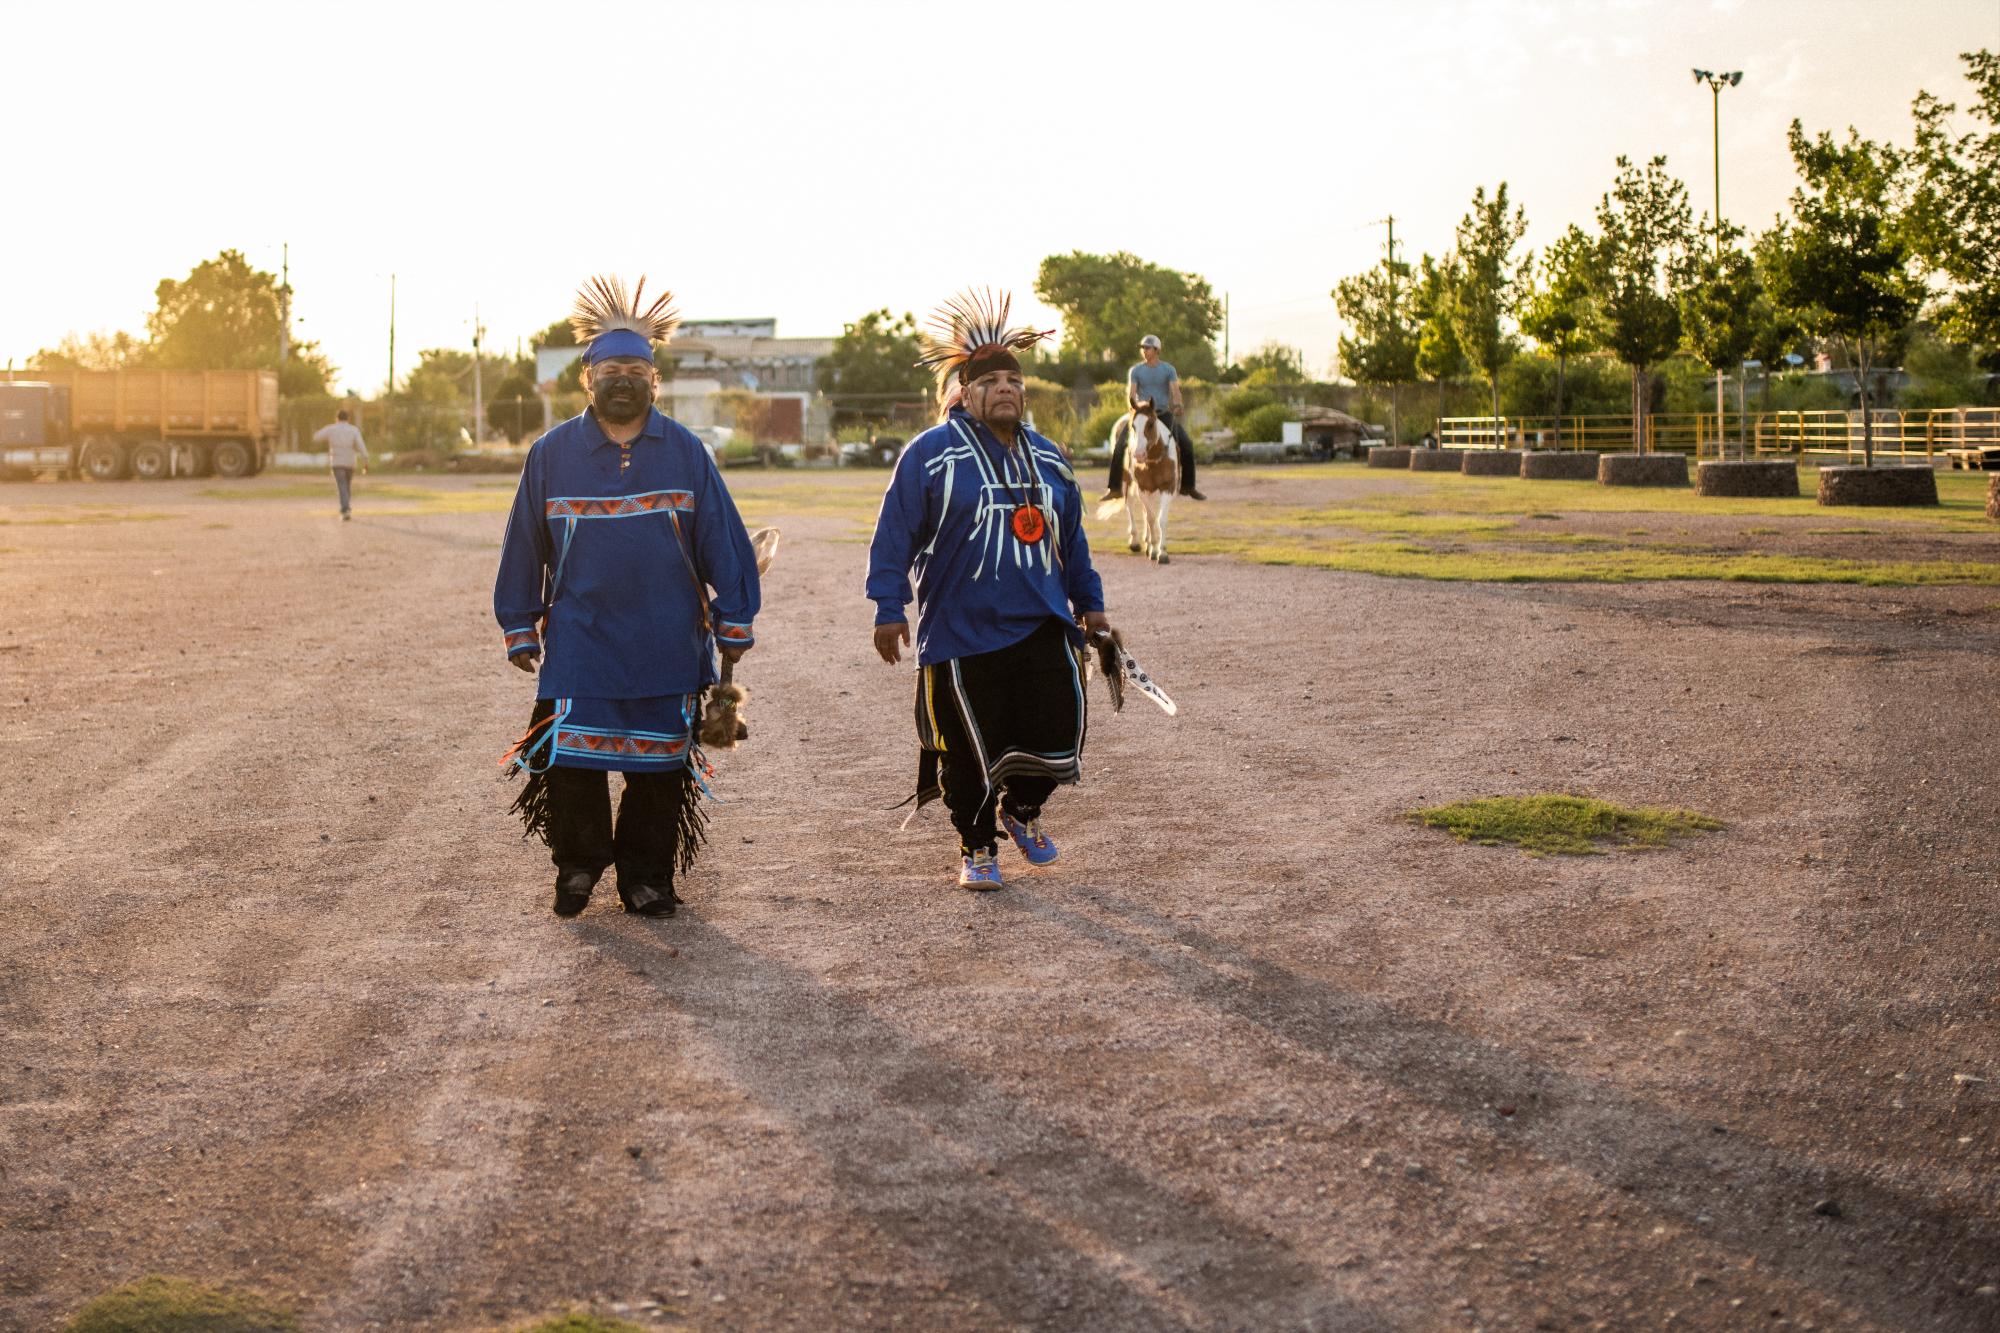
(603, 305)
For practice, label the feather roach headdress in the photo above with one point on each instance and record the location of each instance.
(968, 336)
(608, 322)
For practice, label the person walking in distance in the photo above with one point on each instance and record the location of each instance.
(1153, 381)
(345, 450)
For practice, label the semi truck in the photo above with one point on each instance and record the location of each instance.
(110, 424)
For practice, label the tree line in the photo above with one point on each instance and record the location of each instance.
(1885, 246)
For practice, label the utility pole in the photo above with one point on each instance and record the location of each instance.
(285, 310)
(392, 336)
(478, 391)
(1395, 426)
(1225, 331)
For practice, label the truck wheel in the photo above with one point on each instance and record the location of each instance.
(103, 460)
(150, 460)
(199, 464)
(232, 458)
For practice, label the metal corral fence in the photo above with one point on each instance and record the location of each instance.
(1928, 434)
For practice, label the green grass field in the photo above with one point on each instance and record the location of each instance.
(1349, 517)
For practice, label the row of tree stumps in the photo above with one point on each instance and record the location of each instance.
(1761, 478)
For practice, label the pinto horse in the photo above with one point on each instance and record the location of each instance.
(1152, 469)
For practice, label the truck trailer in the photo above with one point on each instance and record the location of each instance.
(109, 424)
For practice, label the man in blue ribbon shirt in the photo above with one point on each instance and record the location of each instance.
(989, 516)
(620, 530)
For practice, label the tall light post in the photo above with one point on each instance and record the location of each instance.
(1716, 83)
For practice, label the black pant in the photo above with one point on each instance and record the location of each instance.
(647, 836)
(1024, 699)
(1182, 446)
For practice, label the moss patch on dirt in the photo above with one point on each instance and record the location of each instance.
(582, 1322)
(1566, 825)
(175, 1305)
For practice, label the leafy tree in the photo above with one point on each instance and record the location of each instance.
(1587, 386)
(1842, 263)
(1109, 302)
(1560, 312)
(1719, 313)
(1276, 363)
(1379, 345)
(1489, 280)
(1646, 239)
(875, 357)
(1942, 374)
(513, 407)
(1440, 360)
(1954, 215)
(225, 315)
(94, 351)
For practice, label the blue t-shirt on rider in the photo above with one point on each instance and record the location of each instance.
(1153, 383)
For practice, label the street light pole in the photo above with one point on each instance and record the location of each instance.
(1716, 83)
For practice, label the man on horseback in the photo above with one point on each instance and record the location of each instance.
(1157, 382)
(989, 518)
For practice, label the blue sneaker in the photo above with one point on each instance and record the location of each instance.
(1029, 837)
(980, 871)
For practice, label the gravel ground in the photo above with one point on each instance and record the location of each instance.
(282, 1005)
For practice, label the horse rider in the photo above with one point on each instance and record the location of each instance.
(989, 517)
(620, 529)
(1157, 382)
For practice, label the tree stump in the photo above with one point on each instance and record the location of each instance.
(1759, 477)
(1560, 465)
(1877, 486)
(1492, 463)
(1642, 470)
(1389, 455)
(1437, 460)
(1993, 496)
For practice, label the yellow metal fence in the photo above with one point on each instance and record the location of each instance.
(1925, 434)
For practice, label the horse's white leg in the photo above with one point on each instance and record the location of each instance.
(1160, 530)
(1132, 505)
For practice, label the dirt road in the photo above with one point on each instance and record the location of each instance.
(282, 1005)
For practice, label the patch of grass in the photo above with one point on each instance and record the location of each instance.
(579, 1321)
(175, 1305)
(1566, 825)
(1584, 563)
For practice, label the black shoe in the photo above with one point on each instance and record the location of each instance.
(651, 899)
(1192, 494)
(1111, 493)
(573, 891)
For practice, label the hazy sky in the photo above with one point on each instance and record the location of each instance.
(813, 161)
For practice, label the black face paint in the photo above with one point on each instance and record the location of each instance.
(620, 398)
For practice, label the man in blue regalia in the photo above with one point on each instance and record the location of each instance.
(625, 569)
(988, 516)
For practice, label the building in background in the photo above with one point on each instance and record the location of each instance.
(722, 367)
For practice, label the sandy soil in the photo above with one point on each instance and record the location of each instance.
(282, 1004)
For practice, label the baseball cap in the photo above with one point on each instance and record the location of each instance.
(1150, 340)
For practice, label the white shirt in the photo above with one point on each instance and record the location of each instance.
(343, 443)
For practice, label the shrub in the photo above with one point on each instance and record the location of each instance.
(1264, 425)
(1096, 428)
